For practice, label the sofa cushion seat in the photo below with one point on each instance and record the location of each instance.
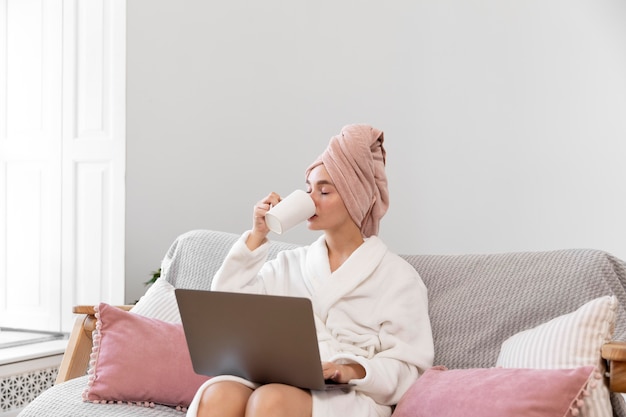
(66, 400)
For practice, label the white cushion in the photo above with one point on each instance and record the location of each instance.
(159, 302)
(568, 341)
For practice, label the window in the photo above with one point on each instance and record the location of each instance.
(62, 156)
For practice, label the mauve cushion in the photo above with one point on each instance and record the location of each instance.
(496, 392)
(140, 360)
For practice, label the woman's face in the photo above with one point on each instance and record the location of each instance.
(330, 211)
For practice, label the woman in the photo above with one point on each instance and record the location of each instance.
(370, 305)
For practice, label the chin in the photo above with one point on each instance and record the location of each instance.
(310, 224)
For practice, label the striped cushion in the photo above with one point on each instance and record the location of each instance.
(568, 341)
(159, 302)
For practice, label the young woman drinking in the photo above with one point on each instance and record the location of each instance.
(370, 306)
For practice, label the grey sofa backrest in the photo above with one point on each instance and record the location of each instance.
(475, 301)
(478, 301)
(194, 257)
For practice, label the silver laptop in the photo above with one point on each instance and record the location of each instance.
(262, 338)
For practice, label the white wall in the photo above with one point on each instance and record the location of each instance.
(505, 121)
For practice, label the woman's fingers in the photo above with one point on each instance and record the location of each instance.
(259, 227)
(330, 371)
(265, 205)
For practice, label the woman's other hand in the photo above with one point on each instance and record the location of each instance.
(259, 226)
(342, 373)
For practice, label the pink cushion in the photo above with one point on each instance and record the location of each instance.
(140, 359)
(496, 392)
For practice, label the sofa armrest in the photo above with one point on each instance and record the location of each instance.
(615, 354)
(76, 357)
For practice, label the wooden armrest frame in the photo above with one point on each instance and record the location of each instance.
(615, 354)
(76, 358)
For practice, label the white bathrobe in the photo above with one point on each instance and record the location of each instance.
(373, 310)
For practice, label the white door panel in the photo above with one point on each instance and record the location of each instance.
(94, 154)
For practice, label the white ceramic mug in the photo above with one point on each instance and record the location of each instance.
(293, 209)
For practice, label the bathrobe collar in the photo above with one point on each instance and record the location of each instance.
(326, 287)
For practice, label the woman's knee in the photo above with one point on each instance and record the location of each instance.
(279, 400)
(227, 398)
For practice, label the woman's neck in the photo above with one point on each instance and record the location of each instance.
(341, 245)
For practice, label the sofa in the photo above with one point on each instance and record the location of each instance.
(489, 312)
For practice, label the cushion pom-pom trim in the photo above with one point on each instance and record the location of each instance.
(585, 391)
(93, 357)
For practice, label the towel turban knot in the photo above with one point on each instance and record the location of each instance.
(355, 161)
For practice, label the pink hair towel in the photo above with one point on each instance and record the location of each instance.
(355, 161)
